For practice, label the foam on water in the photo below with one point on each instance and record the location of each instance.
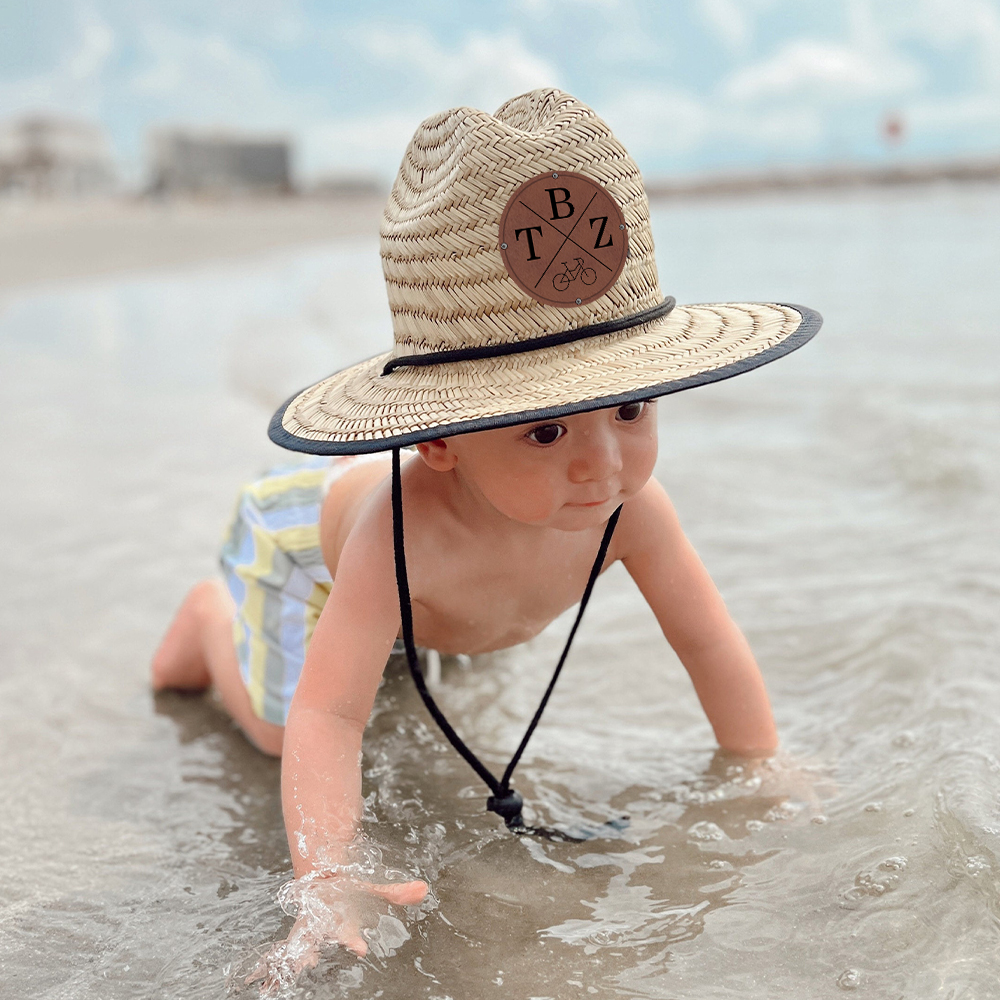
(845, 500)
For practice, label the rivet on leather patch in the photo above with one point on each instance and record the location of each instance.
(563, 239)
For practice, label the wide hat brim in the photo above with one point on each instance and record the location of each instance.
(360, 410)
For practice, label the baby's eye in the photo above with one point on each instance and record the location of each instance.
(631, 412)
(546, 433)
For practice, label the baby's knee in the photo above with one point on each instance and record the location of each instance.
(209, 598)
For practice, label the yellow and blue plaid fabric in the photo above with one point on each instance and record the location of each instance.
(275, 572)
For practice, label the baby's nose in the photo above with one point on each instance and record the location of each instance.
(598, 458)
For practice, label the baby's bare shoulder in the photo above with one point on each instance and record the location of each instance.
(648, 521)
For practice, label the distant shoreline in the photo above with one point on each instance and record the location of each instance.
(828, 178)
(52, 241)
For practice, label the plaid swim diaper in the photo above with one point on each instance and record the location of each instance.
(274, 568)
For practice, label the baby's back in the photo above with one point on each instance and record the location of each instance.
(350, 483)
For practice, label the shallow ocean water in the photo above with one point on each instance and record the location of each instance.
(845, 499)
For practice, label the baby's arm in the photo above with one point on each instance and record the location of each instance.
(697, 625)
(321, 755)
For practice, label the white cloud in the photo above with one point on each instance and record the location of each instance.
(654, 123)
(96, 45)
(74, 85)
(482, 71)
(207, 79)
(957, 115)
(543, 7)
(357, 145)
(783, 130)
(817, 70)
(948, 24)
(729, 21)
(653, 119)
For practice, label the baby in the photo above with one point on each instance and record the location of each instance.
(524, 375)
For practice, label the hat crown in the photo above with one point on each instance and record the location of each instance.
(447, 283)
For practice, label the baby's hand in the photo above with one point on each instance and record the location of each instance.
(332, 909)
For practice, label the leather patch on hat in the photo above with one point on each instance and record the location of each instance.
(563, 239)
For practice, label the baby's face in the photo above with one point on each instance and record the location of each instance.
(568, 473)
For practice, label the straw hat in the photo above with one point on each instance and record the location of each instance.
(518, 259)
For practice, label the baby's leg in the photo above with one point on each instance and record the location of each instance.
(198, 651)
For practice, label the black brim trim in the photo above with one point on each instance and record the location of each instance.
(807, 329)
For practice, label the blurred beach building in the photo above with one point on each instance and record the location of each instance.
(218, 163)
(52, 156)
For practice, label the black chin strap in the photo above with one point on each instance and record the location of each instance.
(504, 801)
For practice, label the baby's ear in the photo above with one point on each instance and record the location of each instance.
(437, 455)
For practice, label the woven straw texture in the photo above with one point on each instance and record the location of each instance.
(446, 280)
(448, 288)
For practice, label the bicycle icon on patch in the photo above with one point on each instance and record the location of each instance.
(562, 280)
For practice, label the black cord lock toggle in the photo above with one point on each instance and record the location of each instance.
(507, 804)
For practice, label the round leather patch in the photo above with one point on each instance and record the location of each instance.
(563, 239)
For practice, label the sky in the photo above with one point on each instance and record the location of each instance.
(689, 86)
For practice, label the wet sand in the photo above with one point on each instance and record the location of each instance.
(44, 242)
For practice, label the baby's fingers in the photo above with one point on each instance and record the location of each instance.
(330, 914)
(349, 935)
(399, 893)
(283, 964)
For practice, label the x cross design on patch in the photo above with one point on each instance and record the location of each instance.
(563, 239)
